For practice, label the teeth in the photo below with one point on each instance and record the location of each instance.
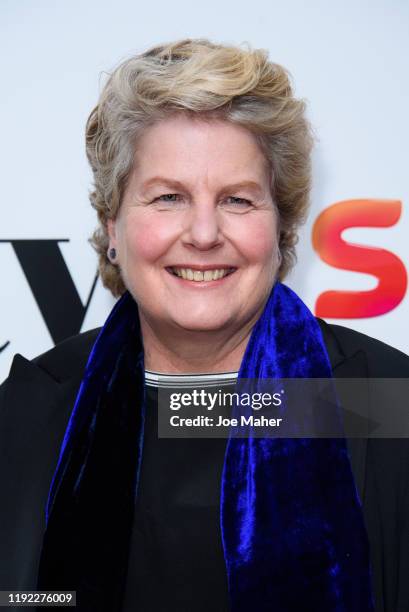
(197, 275)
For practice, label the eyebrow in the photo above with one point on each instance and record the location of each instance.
(162, 180)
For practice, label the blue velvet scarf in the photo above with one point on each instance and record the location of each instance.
(291, 521)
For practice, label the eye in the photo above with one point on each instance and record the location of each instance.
(167, 197)
(170, 202)
(236, 202)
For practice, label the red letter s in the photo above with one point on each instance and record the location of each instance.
(384, 265)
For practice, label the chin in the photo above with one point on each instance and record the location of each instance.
(201, 324)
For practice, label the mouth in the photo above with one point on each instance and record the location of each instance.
(200, 276)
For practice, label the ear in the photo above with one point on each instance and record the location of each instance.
(111, 227)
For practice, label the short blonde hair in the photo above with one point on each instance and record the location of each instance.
(198, 77)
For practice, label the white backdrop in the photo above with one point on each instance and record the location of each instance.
(348, 59)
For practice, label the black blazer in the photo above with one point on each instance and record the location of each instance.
(36, 402)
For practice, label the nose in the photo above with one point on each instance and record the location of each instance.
(202, 228)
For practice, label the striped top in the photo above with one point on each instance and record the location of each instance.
(157, 379)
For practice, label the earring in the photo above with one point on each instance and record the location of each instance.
(112, 254)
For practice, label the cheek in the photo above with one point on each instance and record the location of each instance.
(147, 239)
(258, 240)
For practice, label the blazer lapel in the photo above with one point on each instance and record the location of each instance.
(37, 397)
(354, 365)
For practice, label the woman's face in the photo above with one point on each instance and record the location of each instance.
(198, 200)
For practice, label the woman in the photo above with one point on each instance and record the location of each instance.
(201, 162)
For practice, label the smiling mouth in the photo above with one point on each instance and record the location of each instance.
(199, 276)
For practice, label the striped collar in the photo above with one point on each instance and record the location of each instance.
(157, 379)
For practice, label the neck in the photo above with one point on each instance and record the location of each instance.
(173, 350)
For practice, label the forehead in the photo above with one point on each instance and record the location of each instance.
(194, 148)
